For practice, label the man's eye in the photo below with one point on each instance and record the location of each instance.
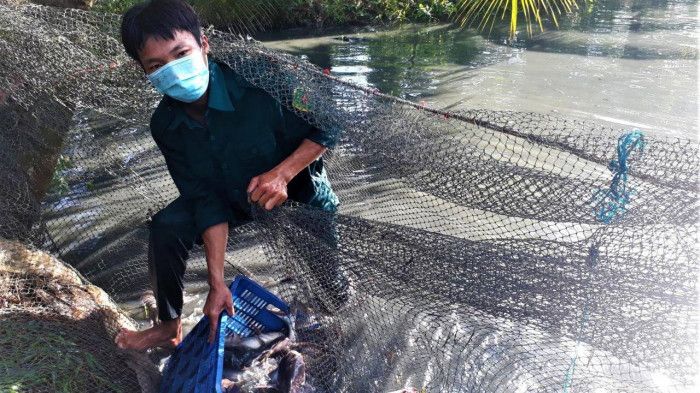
(183, 53)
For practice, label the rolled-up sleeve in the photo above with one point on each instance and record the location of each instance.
(327, 136)
(210, 208)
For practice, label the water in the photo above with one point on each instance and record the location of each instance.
(625, 63)
(621, 63)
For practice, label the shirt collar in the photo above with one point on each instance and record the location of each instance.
(219, 98)
(219, 95)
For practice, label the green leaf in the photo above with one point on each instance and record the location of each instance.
(484, 12)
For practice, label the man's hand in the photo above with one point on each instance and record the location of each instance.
(218, 300)
(268, 190)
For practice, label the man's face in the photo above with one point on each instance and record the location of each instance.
(158, 52)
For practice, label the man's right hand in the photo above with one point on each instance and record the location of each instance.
(219, 299)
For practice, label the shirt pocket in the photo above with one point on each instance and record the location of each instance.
(253, 142)
(256, 151)
(198, 154)
(253, 139)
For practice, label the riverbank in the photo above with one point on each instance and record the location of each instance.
(308, 14)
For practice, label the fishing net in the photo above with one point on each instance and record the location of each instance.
(54, 326)
(484, 251)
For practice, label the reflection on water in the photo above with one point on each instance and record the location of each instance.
(635, 15)
(628, 62)
(400, 62)
(626, 29)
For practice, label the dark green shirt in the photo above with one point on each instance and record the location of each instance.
(247, 133)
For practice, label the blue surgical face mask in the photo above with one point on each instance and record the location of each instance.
(185, 79)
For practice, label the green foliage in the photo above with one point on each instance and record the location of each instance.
(320, 12)
(115, 6)
(251, 15)
(237, 15)
(59, 184)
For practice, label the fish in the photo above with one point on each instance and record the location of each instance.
(240, 352)
(277, 369)
(290, 375)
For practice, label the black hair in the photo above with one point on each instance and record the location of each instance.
(160, 19)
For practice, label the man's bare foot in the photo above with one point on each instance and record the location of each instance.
(166, 334)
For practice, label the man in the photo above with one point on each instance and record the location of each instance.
(227, 145)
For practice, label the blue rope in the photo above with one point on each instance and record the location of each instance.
(593, 254)
(612, 202)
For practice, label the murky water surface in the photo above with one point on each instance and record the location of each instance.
(625, 63)
(622, 63)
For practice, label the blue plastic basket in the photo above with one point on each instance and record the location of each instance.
(196, 366)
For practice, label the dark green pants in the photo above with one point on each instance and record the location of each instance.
(172, 235)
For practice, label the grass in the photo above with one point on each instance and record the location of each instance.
(51, 356)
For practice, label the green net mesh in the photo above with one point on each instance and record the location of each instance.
(485, 251)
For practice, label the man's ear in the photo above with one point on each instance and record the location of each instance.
(205, 43)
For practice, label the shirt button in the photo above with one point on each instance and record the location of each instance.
(224, 166)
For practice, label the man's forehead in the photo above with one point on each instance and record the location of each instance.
(157, 47)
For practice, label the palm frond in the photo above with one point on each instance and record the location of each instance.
(483, 13)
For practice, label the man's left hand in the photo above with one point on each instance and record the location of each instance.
(219, 299)
(268, 190)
